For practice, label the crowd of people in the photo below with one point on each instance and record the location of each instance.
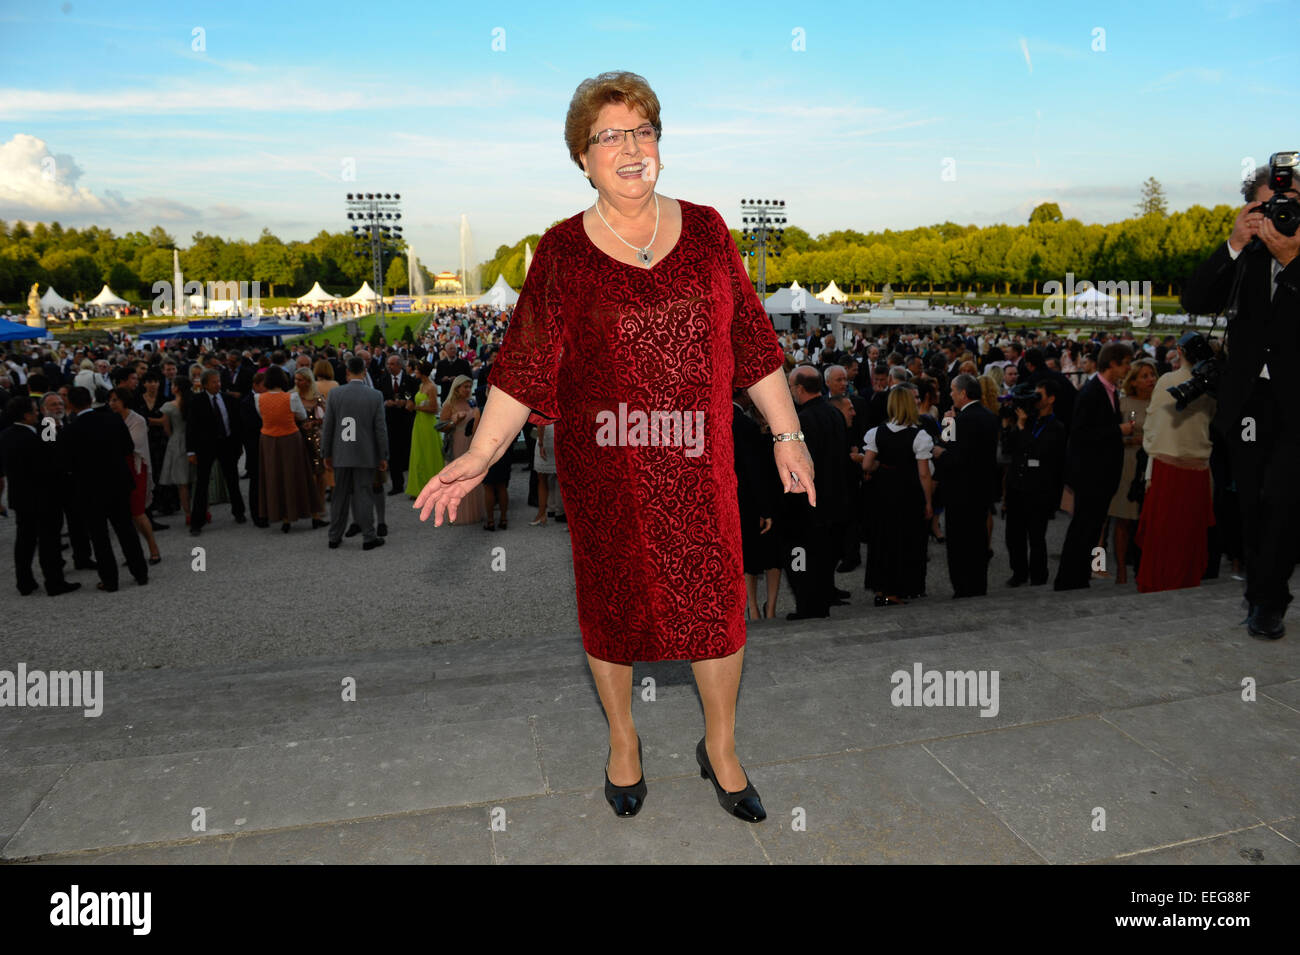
(919, 439)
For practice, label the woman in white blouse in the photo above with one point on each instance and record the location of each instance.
(897, 462)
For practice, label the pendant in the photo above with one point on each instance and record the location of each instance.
(644, 255)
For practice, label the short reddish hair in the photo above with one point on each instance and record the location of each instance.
(593, 94)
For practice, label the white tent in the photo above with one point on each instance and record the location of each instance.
(500, 295)
(832, 293)
(796, 301)
(52, 301)
(106, 297)
(1090, 296)
(363, 294)
(317, 295)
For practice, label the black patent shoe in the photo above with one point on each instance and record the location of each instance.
(745, 804)
(626, 800)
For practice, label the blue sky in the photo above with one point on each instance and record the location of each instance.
(109, 115)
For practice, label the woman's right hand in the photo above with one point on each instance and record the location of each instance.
(443, 494)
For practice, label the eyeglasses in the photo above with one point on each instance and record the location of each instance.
(609, 138)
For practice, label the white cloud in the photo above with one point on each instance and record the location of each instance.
(37, 183)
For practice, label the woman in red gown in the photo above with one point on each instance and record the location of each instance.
(636, 321)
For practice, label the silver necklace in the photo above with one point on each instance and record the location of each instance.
(643, 255)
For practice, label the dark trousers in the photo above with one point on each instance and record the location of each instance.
(1027, 514)
(78, 536)
(1265, 472)
(226, 457)
(99, 517)
(966, 530)
(36, 530)
(811, 553)
(1080, 539)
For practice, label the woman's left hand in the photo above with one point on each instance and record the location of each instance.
(794, 465)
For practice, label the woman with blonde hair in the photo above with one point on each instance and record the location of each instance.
(1135, 397)
(313, 402)
(897, 462)
(463, 418)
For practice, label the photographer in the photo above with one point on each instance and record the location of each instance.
(1256, 278)
(1178, 508)
(1034, 439)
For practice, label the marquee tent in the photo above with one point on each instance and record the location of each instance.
(316, 296)
(832, 293)
(500, 295)
(224, 328)
(52, 301)
(106, 297)
(363, 294)
(13, 331)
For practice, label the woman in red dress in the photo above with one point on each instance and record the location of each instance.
(636, 321)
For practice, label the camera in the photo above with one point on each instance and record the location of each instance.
(1284, 211)
(1206, 369)
(1023, 396)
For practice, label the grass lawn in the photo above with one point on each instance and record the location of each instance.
(338, 334)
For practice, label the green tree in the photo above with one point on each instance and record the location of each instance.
(1152, 202)
(396, 279)
(1046, 212)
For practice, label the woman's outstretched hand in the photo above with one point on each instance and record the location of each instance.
(443, 494)
(794, 465)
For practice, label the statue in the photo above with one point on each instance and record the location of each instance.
(886, 295)
(34, 308)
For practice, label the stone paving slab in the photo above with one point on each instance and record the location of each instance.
(893, 805)
(1046, 781)
(1259, 845)
(150, 799)
(1247, 751)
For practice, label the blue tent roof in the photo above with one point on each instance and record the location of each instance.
(13, 331)
(225, 328)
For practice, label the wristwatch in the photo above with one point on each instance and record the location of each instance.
(788, 436)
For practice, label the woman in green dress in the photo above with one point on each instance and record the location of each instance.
(426, 434)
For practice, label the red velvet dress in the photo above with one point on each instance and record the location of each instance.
(652, 510)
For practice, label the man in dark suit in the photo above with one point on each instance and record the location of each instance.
(837, 387)
(398, 389)
(30, 463)
(1255, 416)
(966, 466)
(1094, 460)
(250, 426)
(93, 449)
(812, 545)
(212, 435)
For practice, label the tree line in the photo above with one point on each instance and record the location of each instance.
(1153, 245)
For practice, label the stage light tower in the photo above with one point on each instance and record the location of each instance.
(374, 218)
(762, 229)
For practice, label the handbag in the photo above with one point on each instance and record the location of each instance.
(1138, 488)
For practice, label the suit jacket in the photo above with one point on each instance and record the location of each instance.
(203, 426)
(93, 449)
(968, 467)
(1263, 331)
(365, 407)
(754, 492)
(823, 429)
(1094, 458)
(29, 465)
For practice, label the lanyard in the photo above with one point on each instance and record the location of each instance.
(1043, 425)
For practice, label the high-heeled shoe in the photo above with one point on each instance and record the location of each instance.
(626, 800)
(744, 804)
(883, 601)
